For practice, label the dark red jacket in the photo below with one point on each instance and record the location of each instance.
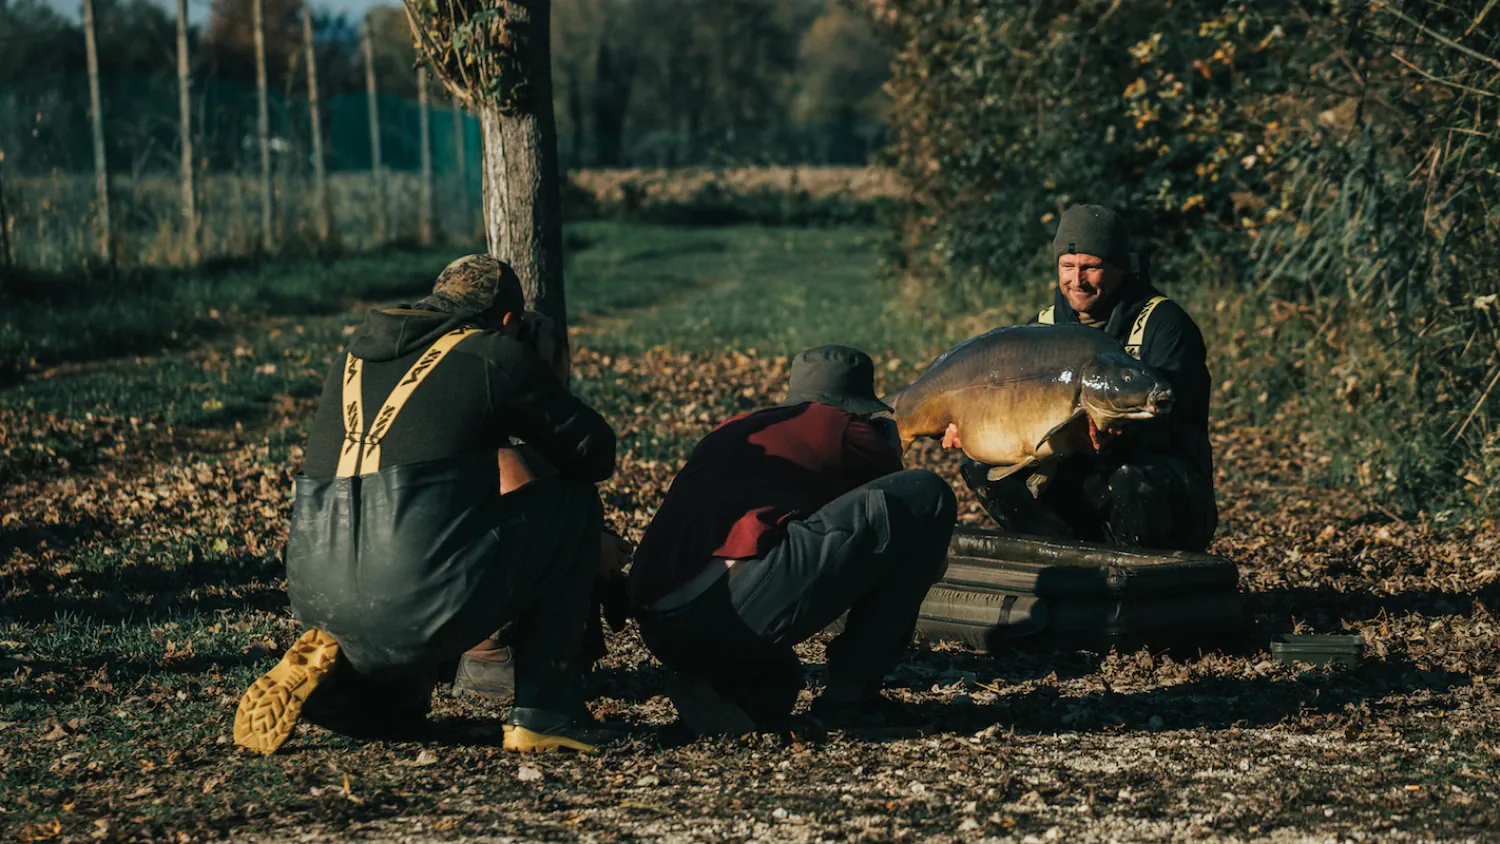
(749, 477)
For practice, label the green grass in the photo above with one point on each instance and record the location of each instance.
(776, 290)
(764, 286)
(54, 319)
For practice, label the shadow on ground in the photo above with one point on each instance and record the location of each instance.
(1324, 606)
(1213, 703)
(142, 593)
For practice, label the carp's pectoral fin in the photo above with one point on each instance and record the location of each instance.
(1056, 429)
(1000, 473)
(1041, 477)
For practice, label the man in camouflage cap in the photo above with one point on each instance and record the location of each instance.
(1152, 485)
(405, 550)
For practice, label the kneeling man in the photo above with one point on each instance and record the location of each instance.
(403, 554)
(782, 520)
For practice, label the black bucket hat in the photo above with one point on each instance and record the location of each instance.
(841, 376)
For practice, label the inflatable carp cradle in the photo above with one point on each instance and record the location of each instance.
(1003, 591)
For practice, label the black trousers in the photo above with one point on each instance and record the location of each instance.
(873, 552)
(1149, 501)
(549, 556)
(536, 582)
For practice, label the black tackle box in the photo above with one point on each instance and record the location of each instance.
(1003, 591)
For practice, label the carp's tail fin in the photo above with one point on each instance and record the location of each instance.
(893, 400)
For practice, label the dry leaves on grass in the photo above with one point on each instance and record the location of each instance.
(1034, 741)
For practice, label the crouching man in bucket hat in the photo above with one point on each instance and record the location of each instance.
(403, 555)
(782, 520)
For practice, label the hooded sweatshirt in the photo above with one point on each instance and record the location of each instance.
(403, 564)
(489, 389)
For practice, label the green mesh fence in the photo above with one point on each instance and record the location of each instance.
(49, 170)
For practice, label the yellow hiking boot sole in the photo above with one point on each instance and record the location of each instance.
(270, 707)
(522, 740)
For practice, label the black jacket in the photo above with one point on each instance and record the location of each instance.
(1174, 345)
(394, 563)
(488, 389)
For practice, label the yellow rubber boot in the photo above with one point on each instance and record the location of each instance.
(532, 730)
(270, 707)
(522, 740)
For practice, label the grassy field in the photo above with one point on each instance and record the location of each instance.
(43, 213)
(144, 481)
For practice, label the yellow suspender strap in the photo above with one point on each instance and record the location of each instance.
(369, 460)
(1045, 317)
(1138, 331)
(354, 416)
(404, 388)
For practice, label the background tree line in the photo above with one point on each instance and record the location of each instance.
(638, 82)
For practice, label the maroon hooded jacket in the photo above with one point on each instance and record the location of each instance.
(746, 480)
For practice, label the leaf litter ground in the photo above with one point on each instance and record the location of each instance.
(141, 591)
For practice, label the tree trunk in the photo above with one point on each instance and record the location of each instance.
(263, 129)
(523, 215)
(376, 174)
(424, 190)
(461, 172)
(321, 212)
(96, 112)
(185, 136)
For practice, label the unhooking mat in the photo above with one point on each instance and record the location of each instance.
(1002, 591)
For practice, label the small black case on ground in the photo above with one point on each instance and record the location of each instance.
(1316, 649)
(1005, 591)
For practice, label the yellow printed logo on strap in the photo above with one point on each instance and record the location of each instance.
(361, 451)
(1048, 316)
(1138, 330)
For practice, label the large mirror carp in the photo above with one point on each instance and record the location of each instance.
(1027, 396)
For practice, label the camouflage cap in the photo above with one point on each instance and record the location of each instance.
(476, 283)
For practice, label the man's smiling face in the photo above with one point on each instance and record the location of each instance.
(1089, 283)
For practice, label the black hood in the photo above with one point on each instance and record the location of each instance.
(390, 333)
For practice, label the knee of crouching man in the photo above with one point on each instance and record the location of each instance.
(584, 498)
(937, 491)
(922, 494)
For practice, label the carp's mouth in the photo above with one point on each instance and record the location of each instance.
(1160, 401)
(1107, 415)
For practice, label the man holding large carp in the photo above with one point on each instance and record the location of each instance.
(1091, 422)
